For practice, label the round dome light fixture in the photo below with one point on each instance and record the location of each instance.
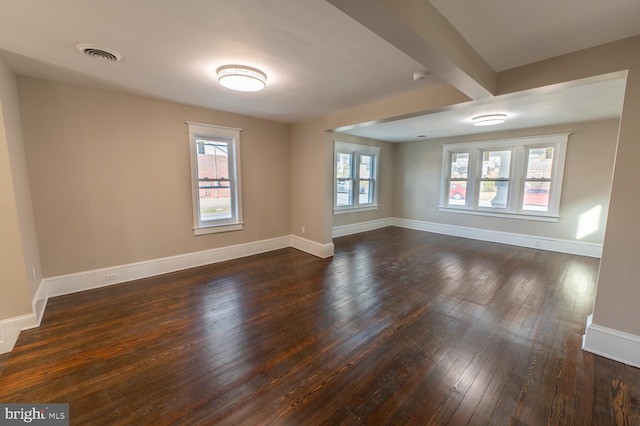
(242, 78)
(489, 119)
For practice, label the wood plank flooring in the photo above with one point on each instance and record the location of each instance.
(400, 327)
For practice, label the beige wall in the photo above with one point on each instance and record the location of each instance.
(310, 190)
(618, 292)
(312, 155)
(618, 288)
(385, 182)
(586, 185)
(110, 176)
(18, 246)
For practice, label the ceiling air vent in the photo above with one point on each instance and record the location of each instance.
(99, 52)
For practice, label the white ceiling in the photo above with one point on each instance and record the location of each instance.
(511, 33)
(585, 100)
(318, 60)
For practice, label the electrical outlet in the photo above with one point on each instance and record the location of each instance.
(33, 272)
(110, 277)
(303, 229)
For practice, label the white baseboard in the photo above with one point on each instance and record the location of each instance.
(10, 330)
(39, 302)
(356, 228)
(87, 280)
(72, 283)
(312, 247)
(521, 240)
(612, 344)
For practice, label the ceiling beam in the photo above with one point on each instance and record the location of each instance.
(416, 28)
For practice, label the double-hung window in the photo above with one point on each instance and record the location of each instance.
(495, 178)
(355, 177)
(519, 178)
(215, 177)
(539, 178)
(458, 177)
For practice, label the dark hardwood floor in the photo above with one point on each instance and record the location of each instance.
(400, 327)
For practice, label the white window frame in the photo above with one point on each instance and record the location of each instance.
(355, 151)
(519, 148)
(231, 136)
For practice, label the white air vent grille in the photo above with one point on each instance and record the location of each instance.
(99, 52)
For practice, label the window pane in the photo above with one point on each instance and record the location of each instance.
(536, 196)
(459, 165)
(365, 166)
(539, 163)
(457, 193)
(213, 178)
(343, 166)
(496, 164)
(215, 201)
(365, 194)
(213, 161)
(344, 192)
(493, 194)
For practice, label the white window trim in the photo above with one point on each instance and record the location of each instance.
(351, 148)
(231, 135)
(518, 147)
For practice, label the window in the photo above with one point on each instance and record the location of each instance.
(215, 177)
(356, 173)
(538, 179)
(458, 177)
(519, 178)
(495, 178)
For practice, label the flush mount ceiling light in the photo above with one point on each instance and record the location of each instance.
(489, 119)
(239, 77)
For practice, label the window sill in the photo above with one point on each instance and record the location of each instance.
(520, 216)
(354, 209)
(214, 229)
